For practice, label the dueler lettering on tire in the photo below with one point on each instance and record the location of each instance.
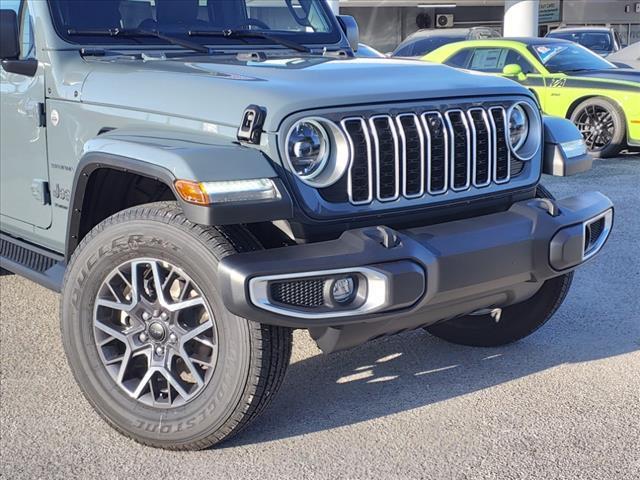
(118, 244)
(149, 340)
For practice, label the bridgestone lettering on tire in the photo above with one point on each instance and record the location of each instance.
(148, 338)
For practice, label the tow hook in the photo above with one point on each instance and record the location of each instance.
(548, 205)
(384, 235)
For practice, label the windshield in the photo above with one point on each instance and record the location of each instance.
(304, 21)
(597, 41)
(568, 57)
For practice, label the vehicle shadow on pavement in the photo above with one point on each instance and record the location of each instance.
(415, 370)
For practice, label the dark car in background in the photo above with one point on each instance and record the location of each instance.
(427, 40)
(602, 40)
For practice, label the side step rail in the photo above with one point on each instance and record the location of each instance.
(35, 263)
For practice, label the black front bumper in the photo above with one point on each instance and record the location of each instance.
(431, 273)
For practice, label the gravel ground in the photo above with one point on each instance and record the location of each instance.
(564, 403)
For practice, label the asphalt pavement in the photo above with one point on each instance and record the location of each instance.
(563, 403)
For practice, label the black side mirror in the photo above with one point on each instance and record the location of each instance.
(10, 46)
(9, 35)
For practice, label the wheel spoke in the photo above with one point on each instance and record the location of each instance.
(112, 332)
(202, 362)
(124, 365)
(158, 283)
(188, 361)
(192, 302)
(204, 342)
(175, 383)
(122, 307)
(143, 383)
(191, 334)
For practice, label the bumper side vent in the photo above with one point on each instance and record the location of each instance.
(592, 234)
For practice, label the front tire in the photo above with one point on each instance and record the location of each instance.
(602, 124)
(149, 340)
(516, 321)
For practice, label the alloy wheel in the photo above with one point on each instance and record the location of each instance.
(597, 126)
(155, 333)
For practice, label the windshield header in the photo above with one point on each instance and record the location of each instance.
(300, 21)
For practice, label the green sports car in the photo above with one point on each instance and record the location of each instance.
(568, 80)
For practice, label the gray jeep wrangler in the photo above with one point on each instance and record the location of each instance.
(200, 177)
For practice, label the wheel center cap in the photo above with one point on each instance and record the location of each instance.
(157, 331)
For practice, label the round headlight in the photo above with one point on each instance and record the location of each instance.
(525, 130)
(518, 127)
(308, 148)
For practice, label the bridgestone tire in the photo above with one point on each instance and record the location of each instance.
(251, 359)
(516, 322)
(618, 140)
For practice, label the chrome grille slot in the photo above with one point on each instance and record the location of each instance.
(360, 173)
(416, 154)
(460, 148)
(386, 154)
(413, 148)
(502, 163)
(481, 129)
(437, 167)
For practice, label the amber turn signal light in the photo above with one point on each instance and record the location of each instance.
(192, 192)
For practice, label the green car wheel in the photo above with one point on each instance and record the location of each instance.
(602, 124)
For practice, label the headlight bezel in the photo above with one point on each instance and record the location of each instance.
(529, 146)
(337, 160)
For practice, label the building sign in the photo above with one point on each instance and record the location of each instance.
(549, 11)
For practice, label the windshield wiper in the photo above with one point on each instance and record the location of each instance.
(244, 34)
(125, 32)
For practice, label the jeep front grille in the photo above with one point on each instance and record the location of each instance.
(430, 153)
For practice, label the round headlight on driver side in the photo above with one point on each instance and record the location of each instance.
(518, 127)
(308, 148)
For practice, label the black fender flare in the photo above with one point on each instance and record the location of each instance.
(219, 214)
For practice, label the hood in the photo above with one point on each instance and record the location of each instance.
(619, 74)
(218, 91)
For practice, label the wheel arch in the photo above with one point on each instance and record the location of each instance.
(105, 184)
(581, 99)
(121, 169)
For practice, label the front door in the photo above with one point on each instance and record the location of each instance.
(494, 59)
(24, 173)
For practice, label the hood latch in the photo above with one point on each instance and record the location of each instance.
(251, 126)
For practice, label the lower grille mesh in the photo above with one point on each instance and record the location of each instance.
(299, 293)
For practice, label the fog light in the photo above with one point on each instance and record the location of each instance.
(343, 290)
